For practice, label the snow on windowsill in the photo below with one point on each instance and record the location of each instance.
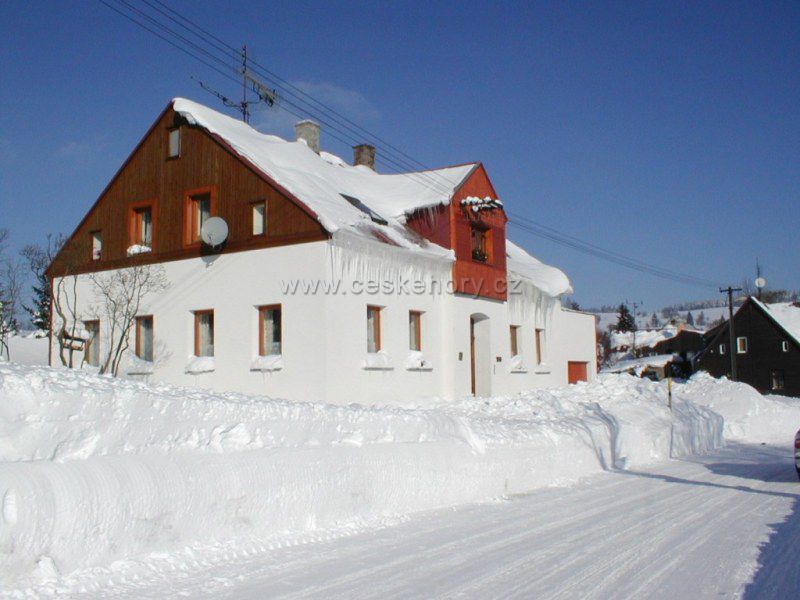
(200, 364)
(515, 364)
(416, 361)
(138, 249)
(542, 369)
(376, 361)
(139, 366)
(271, 362)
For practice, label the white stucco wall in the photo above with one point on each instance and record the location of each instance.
(324, 341)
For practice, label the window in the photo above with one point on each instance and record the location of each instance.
(777, 381)
(144, 338)
(722, 349)
(142, 225)
(415, 330)
(204, 333)
(259, 217)
(479, 245)
(199, 207)
(514, 330)
(269, 330)
(91, 352)
(373, 328)
(785, 346)
(741, 345)
(97, 245)
(174, 150)
(539, 346)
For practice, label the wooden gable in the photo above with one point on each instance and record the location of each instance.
(150, 178)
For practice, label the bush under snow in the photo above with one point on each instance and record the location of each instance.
(95, 469)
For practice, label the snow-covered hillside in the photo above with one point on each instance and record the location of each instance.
(97, 469)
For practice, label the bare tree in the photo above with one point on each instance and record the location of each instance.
(67, 329)
(11, 279)
(120, 294)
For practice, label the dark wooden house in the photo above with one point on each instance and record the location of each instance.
(767, 347)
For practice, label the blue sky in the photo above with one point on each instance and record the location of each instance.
(666, 131)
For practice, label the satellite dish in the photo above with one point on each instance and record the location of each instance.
(761, 283)
(214, 232)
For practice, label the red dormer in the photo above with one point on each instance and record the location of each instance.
(474, 225)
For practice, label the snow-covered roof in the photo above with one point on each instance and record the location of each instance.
(646, 338)
(785, 314)
(336, 192)
(356, 199)
(638, 365)
(550, 280)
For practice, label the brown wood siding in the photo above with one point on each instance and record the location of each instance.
(470, 276)
(148, 175)
(764, 353)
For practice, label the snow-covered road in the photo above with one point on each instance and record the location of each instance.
(715, 526)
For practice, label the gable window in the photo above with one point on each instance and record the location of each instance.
(741, 345)
(778, 383)
(199, 207)
(415, 330)
(91, 353)
(174, 150)
(373, 329)
(97, 245)
(204, 333)
(514, 331)
(269, 330)
(141, 226)
(480, 246)
(722, 348)
(259, 210)
(784, 346)
(539, 339)
(144, 338)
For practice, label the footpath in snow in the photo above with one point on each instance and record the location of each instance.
(108, 476)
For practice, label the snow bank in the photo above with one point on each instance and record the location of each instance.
(748, 415)
(96, 469)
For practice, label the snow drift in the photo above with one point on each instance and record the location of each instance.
(97, 469)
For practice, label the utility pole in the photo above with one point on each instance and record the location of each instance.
(245, 107)
(635, 327)
(732, 336)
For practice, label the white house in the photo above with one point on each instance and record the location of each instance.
(335, 283)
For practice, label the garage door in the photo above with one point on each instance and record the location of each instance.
(577, 371)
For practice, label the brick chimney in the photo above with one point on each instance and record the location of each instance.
(308, 131)
(364, 154)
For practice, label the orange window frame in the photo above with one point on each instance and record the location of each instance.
(484, 234)
(539, 357)
(418, 328)
(261, 310)
(135, 223)
(138, 346)
(191, 233)
(377, 325)
(95, 324)
(180, 142)
(197, 315)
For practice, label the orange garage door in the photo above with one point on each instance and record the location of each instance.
(577, 371)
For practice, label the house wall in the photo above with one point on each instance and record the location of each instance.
(325, 334)
(763, 355)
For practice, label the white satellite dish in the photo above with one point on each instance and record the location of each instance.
(761, 283)
(214, 232)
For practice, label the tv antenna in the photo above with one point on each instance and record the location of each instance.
(249, 82)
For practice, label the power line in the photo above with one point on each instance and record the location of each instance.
(343, 129)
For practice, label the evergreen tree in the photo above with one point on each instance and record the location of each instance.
(689, 318)
(625, 320)
(39, 258)
(701, 319)
(654, 322)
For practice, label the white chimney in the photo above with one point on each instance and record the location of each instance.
(308, 131)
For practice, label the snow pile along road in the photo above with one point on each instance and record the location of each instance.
(749, 416)
(97, 469)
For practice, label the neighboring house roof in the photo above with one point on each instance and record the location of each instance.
(785, 314)
(646, 338)
(638, 365)
(355, 199)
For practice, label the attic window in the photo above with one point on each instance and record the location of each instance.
(365, 209)
(259, 217)
(480, 244)
(174, 150)
(784, 346)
